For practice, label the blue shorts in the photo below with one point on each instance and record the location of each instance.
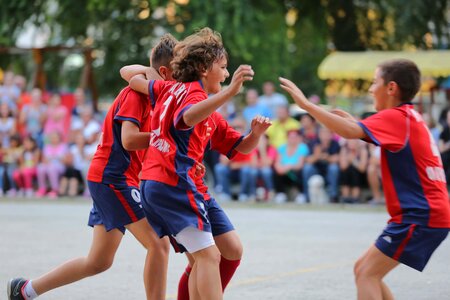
(115, 205)
(410, 244)
(170, 209)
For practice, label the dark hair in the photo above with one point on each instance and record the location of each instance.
(162, 53)
(403, 72)
(196, 54)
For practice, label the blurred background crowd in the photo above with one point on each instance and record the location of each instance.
(48, 139)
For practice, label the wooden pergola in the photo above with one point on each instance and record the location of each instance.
(39, 79)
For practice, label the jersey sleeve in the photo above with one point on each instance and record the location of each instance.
(224, 139)
(132, 108)
(387, 129)
(190, 100)
(154, 89)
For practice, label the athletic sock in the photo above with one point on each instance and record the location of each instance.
(183, 285)
(28, 292)
(227, 269)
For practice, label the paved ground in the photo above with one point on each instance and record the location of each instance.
(291, 252)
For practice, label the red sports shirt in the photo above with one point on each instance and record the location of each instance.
(412, 174)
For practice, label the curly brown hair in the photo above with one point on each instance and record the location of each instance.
(196, 54)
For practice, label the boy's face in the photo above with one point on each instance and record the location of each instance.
(213, 77)
(379, 91)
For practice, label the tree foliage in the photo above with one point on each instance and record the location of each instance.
(288, 38)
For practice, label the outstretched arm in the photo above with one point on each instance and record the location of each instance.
(200, 111)
(258, 127)
(342, 125)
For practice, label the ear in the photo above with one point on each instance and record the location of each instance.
(392, 87)
(163, 72)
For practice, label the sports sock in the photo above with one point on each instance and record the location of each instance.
(227, 269)
(28, 292)
(183, 285)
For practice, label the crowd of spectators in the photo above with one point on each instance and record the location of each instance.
(48, 139)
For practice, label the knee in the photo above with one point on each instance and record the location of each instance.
(233, 251)
(209, 255)
(96, 266)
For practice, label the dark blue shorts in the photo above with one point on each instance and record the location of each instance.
(170, 209)
(410, 244)
(114, 205)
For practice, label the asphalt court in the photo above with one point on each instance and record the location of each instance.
(290, 252)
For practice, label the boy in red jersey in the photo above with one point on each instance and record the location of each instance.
(184, 123)
(113, 182)
(412, 174)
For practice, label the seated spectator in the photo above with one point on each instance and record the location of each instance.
(33, 115)
(309, 130)
(353, 160)
(444, 146)
(71, 180)
(277, 133)
(324, 161)
(272, 99)
(374, 175)
(27, 171)
(265, 160)
(7, 124)
(239, 169)
(10, 156)
(80, 160)
(254, 108)
(51, 165)
(87, 125)
(56, 116)
(288, 167)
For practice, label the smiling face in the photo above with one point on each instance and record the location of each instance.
(379, 90)
(213, 77)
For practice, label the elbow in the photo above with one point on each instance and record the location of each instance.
(188, 119)
(124, 73)
(127, 144)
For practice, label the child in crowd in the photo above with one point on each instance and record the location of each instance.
(27, 171)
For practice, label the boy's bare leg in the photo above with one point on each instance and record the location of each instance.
(100, 258)
(156, 261)
(206, 272)
(369, 272)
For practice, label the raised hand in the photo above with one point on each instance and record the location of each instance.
(243, 73)
(259, 125)
(294, 91)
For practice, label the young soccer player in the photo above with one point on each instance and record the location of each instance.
(113, 182)
(184, 123)
(412, 174)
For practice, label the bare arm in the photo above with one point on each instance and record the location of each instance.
(345, 127)
(140, 82)
(128, 72)
(132, 138)
(200, 111)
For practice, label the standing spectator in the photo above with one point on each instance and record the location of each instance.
(56, 116)
(434, 128)
(280, 126)
(10, 161)
(51, 166)
(254, 107)
(324, 161)
(9, 92)
(7, 124)
(33, 116)
(288, 166)
(353, 160)
(27, 171)
(272, 99)
(265, 159)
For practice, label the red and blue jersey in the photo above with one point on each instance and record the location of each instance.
(412, 173)
(112, 164)
(175, 149)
